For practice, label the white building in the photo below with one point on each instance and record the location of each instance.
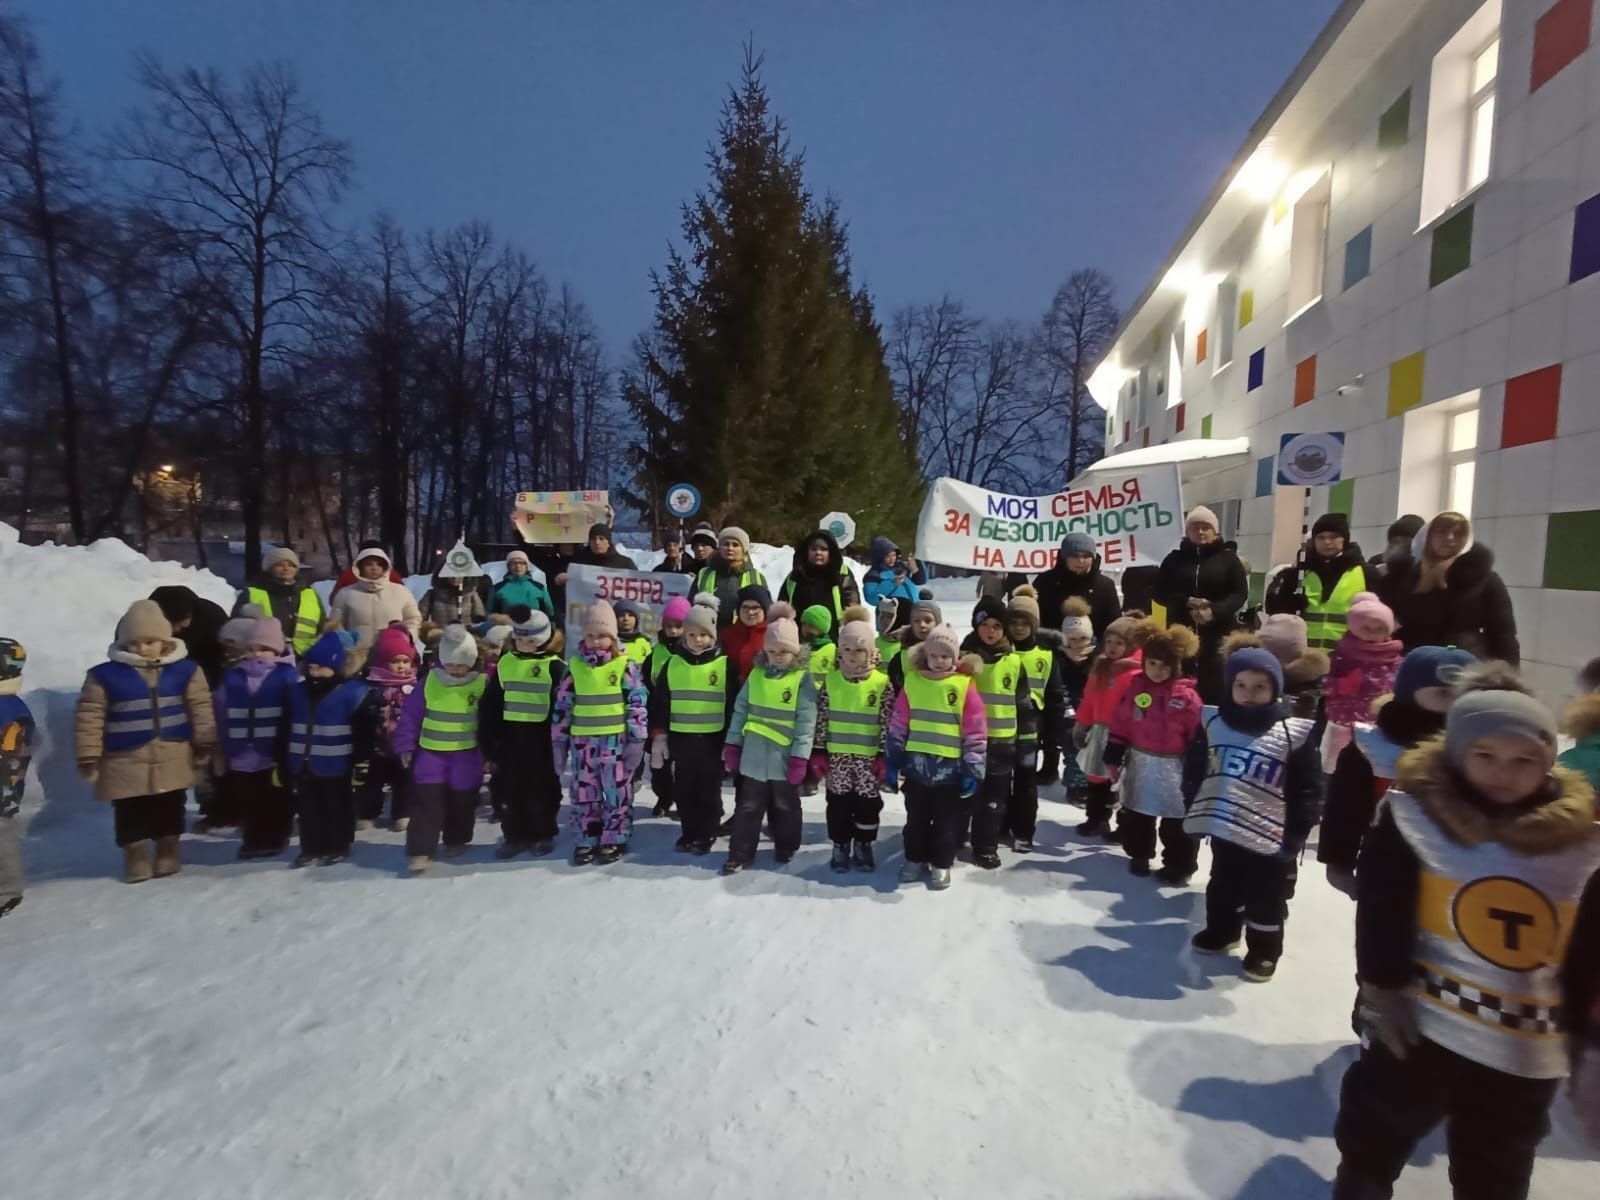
(1405, 251)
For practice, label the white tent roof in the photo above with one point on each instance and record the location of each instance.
(1194, 456)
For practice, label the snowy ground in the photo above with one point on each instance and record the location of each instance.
(533, 1029)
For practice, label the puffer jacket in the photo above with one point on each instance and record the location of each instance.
(1060, 584)
(1473, 610)
(807, 584)
(445, 604)
(369, 606)
(520, 589)
(1163, 724)
(157, 766)
(930, 769)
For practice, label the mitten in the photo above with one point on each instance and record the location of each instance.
(969, 787)
(796, 773)
(880, 769)
(730, 759)
(1394, 1018)
(658, 751)
(819, 765)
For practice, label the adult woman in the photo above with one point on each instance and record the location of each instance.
(1321, 586)
(729, 572)
(518, 586)
(1448, 594)
(888, 576)
(1077, 575)
(819, 576)
(1203, 585)
(368, 606)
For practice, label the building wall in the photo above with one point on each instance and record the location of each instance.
(1501, 298)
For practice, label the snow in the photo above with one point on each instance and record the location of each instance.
(531, 1028)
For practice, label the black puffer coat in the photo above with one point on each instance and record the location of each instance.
(1059, 584)
(1473, 609)
(1214, 573)
(806, 584)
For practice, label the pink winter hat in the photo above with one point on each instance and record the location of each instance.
(782, 632)
(676, 611)
(600, 621)
(1284, 636)
(1366, 606)
(857, 632)
(392, 643)
(268, 633)
(945, 638)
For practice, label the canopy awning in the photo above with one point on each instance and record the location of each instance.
(1194, 457)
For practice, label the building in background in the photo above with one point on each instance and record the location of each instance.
(1406, 252)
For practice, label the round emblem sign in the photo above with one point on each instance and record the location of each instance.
(1143, 700)
(1508, 923)
(683, 500)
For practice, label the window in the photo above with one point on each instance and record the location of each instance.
(1227, 305)
(1308, 246)
(1459, 153)
(1461, 458)
(1439, 456)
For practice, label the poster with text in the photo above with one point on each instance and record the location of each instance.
(559, 518)
(650, 590)
(1135, 518)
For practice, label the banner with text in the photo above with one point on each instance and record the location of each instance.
(1135, 518)
(650, 590)
(559, 518)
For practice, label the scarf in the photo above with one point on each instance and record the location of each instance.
(1365, 653)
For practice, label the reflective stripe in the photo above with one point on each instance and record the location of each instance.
(133, 725)
(937, 706)
(526, 684)
(772, 705)
(706, 696)
(599, 706)
(243, 714)
(855, 708)
(697, 722)
(697, 694)
(329, 751)
(450, 714)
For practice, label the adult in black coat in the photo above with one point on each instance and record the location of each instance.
(1077, 574)
(1139, 588)
(1203, 585)
(1327, 558)
(1398, 547)
(819, 576)
(601, 551)
(674, 559)
(196, 622)
(1448, 594)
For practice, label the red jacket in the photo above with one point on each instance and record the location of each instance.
(1099, 701)
(348, 576)
(742, 643)
(1158, 718)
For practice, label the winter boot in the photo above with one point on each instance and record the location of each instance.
(1139, 867)
(1347, 1185)
(1094, 827)
(167, 856)
(136, 866)
(418, 864)
(610, 853)
(508, 850)
(401, 824)
(8, 907)
(840, 862)
(700, 848)
(864, 857)
(784, 857)
(333, 860)
(1174, 876)
(542, 846)
(910, 871)
(582, 855)
(304, 859)
(733, 866)
(454, 851)
(681, 845)
(1258, 968)
(1213, 941)
(1022, 845)
(939, 879)
(989, 860)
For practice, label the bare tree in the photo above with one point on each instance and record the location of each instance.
(1073, 335)
(929, 348)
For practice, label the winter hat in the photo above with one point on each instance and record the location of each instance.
(498, 636)
(1076, 622)
(671, 537)
(1407, 527)
(702, 614)
(457, 647)
(392, 643)
(1428, 667)
(144, 621)
(377, 552)
(942, 637)
(267, 633)
(1204, 515)
(1024, 603)
(530, 623)
(518, 556)
(782, 632)
(235, 633)
(600, 621)
(280, 554)
(927, 605)
(629, 607)
(755, 592)
(738, 535)
(818, 618)
(703, 533)
(675, 611)
(1078, 542)
(1332, 523)
(1253, 658)
(327, 651)
(888, 612)
(1367, 605)
(1170, 645)
(1123, 627)
(880, 549)
(1283, 635)
(601, 530)
(988, 608)
(855, 633)
(1491, 699)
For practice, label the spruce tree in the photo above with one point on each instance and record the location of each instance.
(765, 384)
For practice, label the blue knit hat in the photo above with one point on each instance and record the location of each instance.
(1429, 666)
(755, 592)
(1078, 542)
(1253, 658)
(327, 651)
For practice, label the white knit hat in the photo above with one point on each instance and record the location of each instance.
(457, 647)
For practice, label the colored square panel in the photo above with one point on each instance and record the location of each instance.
(1532, 401)
(1178, 428)
(1258, 370)
(1266, 472)
(1570, 562)
(1405, 383)
(1394, 127)
(1205, 426)
(1200, 347)
(1247, 307)
(1358, 258)
(1305, 380)
(1452, 247)
(1155, 340)
(1342, 497)
(1280, 210)
(1146, 432)
(1561, 35)
(1258, 588)
(1586, 239)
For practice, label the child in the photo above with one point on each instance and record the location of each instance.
(939, 736)
(1284, 636)
(252, 716)
(1361, 668)
(1049, 702)
(1010, 718)
(602, 724)
(144, 723)
(1073, 659)
(893, 615)
(1151, 729)
(330, 731)
(16, 749)
(1252, 784)
(853, 707)
(1112, 670)
(1365, 768)
(816, 636)
(1467, 890)
(743, 639)
(663, 778)
(633, 640)
(221, 809)
(391, 677)
(493, 642)
(514, 727)
(769, 745)
(690, 705)
(1581, 722)
(925, 614)
(437, 740)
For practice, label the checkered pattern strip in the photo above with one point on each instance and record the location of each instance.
(1489, 1008)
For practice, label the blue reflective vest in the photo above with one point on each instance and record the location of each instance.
(322, 733)
(136, 713)
(251, 722)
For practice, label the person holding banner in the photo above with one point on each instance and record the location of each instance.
(1203, 586)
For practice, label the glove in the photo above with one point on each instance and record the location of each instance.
(1342, 880)
(730, 759)
(796, 774)
(658, 752)
(632, 756)
(1394, 1018)
(90, 769)
(880, 769)
(819, 765)
(969, 787)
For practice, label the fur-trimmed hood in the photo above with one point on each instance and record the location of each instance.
(1560, 816)
(966, 663)
(1303, 672)
(1582, 717)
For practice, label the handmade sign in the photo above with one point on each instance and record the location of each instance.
(1135, 518)
(559, 518)
(650, 590)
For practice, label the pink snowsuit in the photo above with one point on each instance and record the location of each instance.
(603, 767)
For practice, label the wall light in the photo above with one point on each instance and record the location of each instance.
(1261, 175)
